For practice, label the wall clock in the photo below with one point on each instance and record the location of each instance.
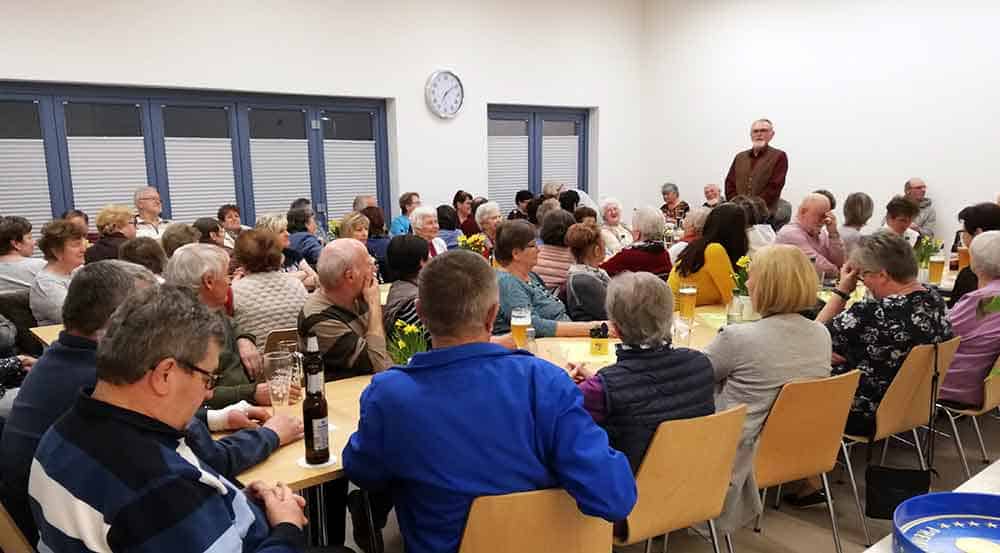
(445, 94)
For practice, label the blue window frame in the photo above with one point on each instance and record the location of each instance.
(535, 117)
(152, 102)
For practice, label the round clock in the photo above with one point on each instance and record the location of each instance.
(444, 93)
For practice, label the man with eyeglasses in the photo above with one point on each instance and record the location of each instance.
(759, 171)
(124, 470)
(69, 365)
(148, 208)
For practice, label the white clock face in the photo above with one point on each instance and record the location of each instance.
(445, 94)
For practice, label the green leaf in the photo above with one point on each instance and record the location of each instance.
(987, 306)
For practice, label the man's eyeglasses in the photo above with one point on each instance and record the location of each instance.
(211, 379)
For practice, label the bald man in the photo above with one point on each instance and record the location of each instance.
(915, 190)
(759, 171)
(806, 232)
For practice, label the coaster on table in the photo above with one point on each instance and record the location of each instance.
(302, 463)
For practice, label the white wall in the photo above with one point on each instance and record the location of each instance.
(863, 94)
(581, 53)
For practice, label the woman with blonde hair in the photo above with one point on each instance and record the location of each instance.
(292, 263)
(752, 361)
(355, 225)
(116, 224)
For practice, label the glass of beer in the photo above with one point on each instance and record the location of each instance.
(963, 257)
(688, 293)
(278, 371)
(520, 320)
(936, 268)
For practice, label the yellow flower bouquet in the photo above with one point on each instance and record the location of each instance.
(475, 243)
(925, 248)
(741, 275)
(407, 340)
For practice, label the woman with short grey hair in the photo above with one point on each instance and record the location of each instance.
(674, 209)
(693, 224)
(614, 233)
(652, 381)
(488, 217)
(647, 252)
(424, 222)
(875, 335)
(980, 331)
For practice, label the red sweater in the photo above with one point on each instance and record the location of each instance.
(651, 257)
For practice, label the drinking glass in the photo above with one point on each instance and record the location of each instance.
(278, 371)
(936, 268)
(520, 320)
(292, 346)
(688, 297)
(681, 334)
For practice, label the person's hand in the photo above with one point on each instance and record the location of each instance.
(848, 278)
(27, 361)
(237, 419)
(580, 371)
(280, 503)
(239, 273)
(288, 428)
(837, 359)
(250, 356)
(372, 294)
(505, 340)
(915, 227)
(262, 395)
(830, 220)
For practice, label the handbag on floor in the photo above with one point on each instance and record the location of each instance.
(887, 487)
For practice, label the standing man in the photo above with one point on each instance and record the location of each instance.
(759, 171)
(915, 190)
(148, 208)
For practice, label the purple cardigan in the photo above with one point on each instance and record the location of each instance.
(978, 350)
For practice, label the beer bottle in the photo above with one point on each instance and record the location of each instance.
(314, 413)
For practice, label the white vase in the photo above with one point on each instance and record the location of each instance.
(749, 313)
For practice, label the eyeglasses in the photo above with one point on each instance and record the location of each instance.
(150, 199)
(211, 379)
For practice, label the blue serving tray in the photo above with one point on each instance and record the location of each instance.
(947, 523)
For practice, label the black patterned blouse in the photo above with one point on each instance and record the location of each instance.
(875, 336)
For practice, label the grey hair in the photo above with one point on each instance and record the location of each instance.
(984, 251)
(154, 324)
(421, 214)
(552, 188)
(486, 211)
(546, 207)
(608, 202)
(336, 259)
(471, 285)
(763, 120)
(361, 202)
(649, 222)
(641, 306)
(97, 289)
(191, 262)
(669, 187)
(138, 192)
(885, 251)
(858, 209)
(696, 218)
(274, 222)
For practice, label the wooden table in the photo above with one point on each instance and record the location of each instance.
(987, 481)
(47, 334)
(344, 410)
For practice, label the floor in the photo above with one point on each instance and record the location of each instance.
(791, 530)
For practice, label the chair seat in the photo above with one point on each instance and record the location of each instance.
(967, 411)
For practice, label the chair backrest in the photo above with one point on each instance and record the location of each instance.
(801, 436)
(275, 337)
(685, 474)
(539, 521)
(906, 404)
(11, 538)
(991, 390)
(16, 307)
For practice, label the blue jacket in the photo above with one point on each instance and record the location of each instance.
(49, 390)
(474, 420)
(307, 245)
(400, 224)
(450, 237)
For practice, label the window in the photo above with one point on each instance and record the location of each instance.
(23, 170)
(529, 146)
(84, 119)
(19, 120)
(349, 159)
(198, 152)
(195, 122)
(279, 158)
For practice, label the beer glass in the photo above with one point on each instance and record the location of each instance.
(936, 268)
(688, 296)
(278, 367)
(520, 320)
(963, 257)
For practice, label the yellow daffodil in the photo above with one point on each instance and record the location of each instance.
(400, 323)
(401, 344)
(410, 329)
(743, 262)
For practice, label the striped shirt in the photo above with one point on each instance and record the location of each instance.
(106, 478)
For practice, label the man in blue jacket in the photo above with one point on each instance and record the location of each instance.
(471, 418)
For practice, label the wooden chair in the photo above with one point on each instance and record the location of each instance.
(684, 476)
(801, 436)
(991, 400)
(904, 408)
(538, 521)
(13, 541)
(275, 337)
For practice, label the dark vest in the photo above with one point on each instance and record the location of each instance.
(751, 182)
(647, 387)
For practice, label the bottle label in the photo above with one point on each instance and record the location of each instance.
(321, 434)
(314, 383)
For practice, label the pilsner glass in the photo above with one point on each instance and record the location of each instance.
(936, 268)
(963, 257)
(278, 368)
(688, 293)
(520, 320)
